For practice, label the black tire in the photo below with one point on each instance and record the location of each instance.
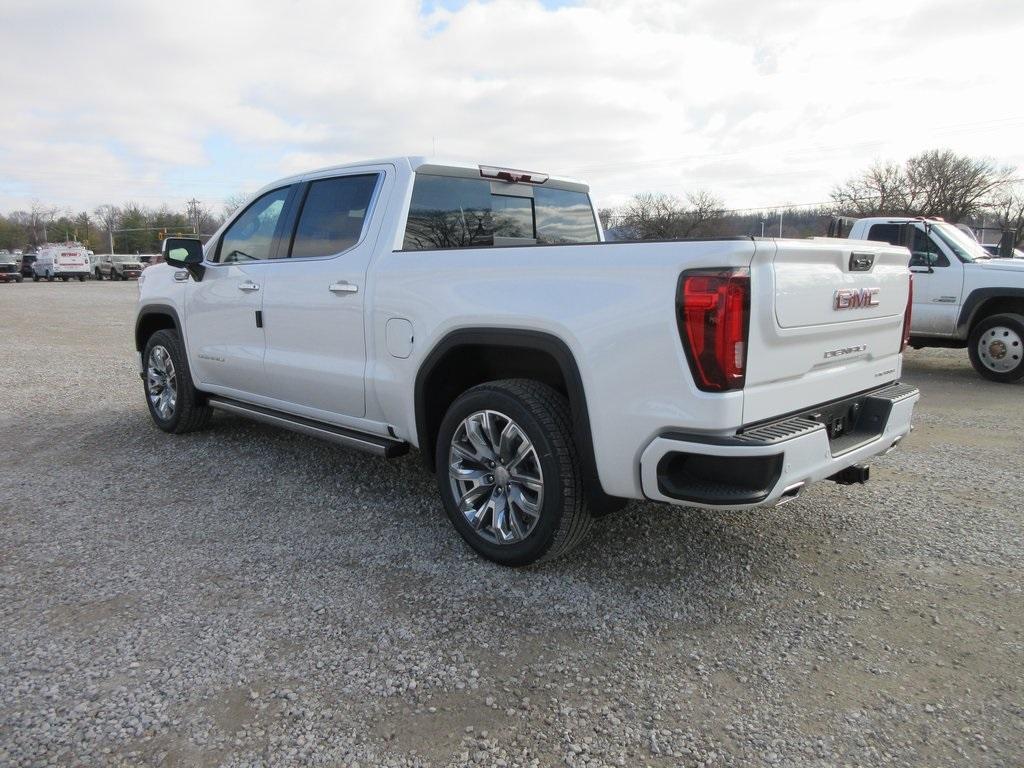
(81, 278)
(49, 277)
(99, 275)
(1011, 348)
(544, 416)
(35, 278)
(190, 410)
(19, 279)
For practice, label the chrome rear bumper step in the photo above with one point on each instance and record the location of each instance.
(350, 438)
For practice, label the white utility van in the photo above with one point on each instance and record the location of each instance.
(63, 260)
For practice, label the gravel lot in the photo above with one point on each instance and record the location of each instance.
(246, 596)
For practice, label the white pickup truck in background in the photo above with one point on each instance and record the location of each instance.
(963, 297)
(474, 313)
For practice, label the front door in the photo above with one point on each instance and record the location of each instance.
(938, 283)
(314, 302)
(224, 334)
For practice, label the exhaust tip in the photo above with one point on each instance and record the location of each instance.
(790, 493)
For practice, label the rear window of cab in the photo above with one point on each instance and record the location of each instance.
(456, 212)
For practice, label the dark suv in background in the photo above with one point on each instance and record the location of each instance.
(10, 268)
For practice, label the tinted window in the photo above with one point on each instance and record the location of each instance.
(564, 216)
(332, 216)
(449, 213)
(885, 233)
(251, 237)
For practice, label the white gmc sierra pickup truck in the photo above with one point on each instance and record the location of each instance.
(962, 296)
(545, 376)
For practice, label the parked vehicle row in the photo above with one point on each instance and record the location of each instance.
(545, 376)
(71, 260)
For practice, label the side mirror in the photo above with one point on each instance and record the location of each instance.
(185, 252)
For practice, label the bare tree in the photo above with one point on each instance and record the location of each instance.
(658, 216)
(233, 202)
(706, 209)
(943, 183)
(934, 183)
(1008, 205)
(881, 190)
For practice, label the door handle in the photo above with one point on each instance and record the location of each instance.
(343, 286)
(248, 285)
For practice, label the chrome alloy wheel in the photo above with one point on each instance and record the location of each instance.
(496, 477)
(161, 382)
(1000, 349)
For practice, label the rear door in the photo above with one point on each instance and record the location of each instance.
(315, 298)
(224, 332)
(826, 322)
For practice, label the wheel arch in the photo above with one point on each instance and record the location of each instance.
(982, 302)
(153, 318)
(470, 356)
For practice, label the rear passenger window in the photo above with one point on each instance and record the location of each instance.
(332, 216)
(459, 212)
(885, 233)
(449, 212)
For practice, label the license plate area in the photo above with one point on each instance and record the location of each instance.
(852, 422)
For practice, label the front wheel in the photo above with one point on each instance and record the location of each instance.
(174, 403)
(81, 278)
(509, 472)
(99, 275)
(996, 348)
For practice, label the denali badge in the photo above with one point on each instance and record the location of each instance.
(846, 351)
(849, 298)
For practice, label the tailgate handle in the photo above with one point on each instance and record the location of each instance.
(861, 262)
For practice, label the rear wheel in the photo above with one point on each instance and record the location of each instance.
(99, 275)
(81, 278)
(509, 472)
(996, 348)
(174, 403)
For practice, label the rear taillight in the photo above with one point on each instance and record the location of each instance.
(714, 320)
(906, 314)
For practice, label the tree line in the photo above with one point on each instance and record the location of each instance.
(958, 188)
(938, 183)
(133, 228)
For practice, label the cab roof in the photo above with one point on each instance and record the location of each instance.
(444, 167)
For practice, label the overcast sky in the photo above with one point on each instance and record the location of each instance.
(763, 103)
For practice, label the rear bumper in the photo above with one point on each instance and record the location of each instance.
(771, 463)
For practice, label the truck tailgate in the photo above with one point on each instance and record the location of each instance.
(826, 322)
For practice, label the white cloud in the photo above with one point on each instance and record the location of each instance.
(763, 103)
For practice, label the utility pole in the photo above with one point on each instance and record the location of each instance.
(780, 222)
(193, 214)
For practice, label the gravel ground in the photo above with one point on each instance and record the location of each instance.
(246, 596)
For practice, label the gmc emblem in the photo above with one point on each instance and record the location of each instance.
(850, 298)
